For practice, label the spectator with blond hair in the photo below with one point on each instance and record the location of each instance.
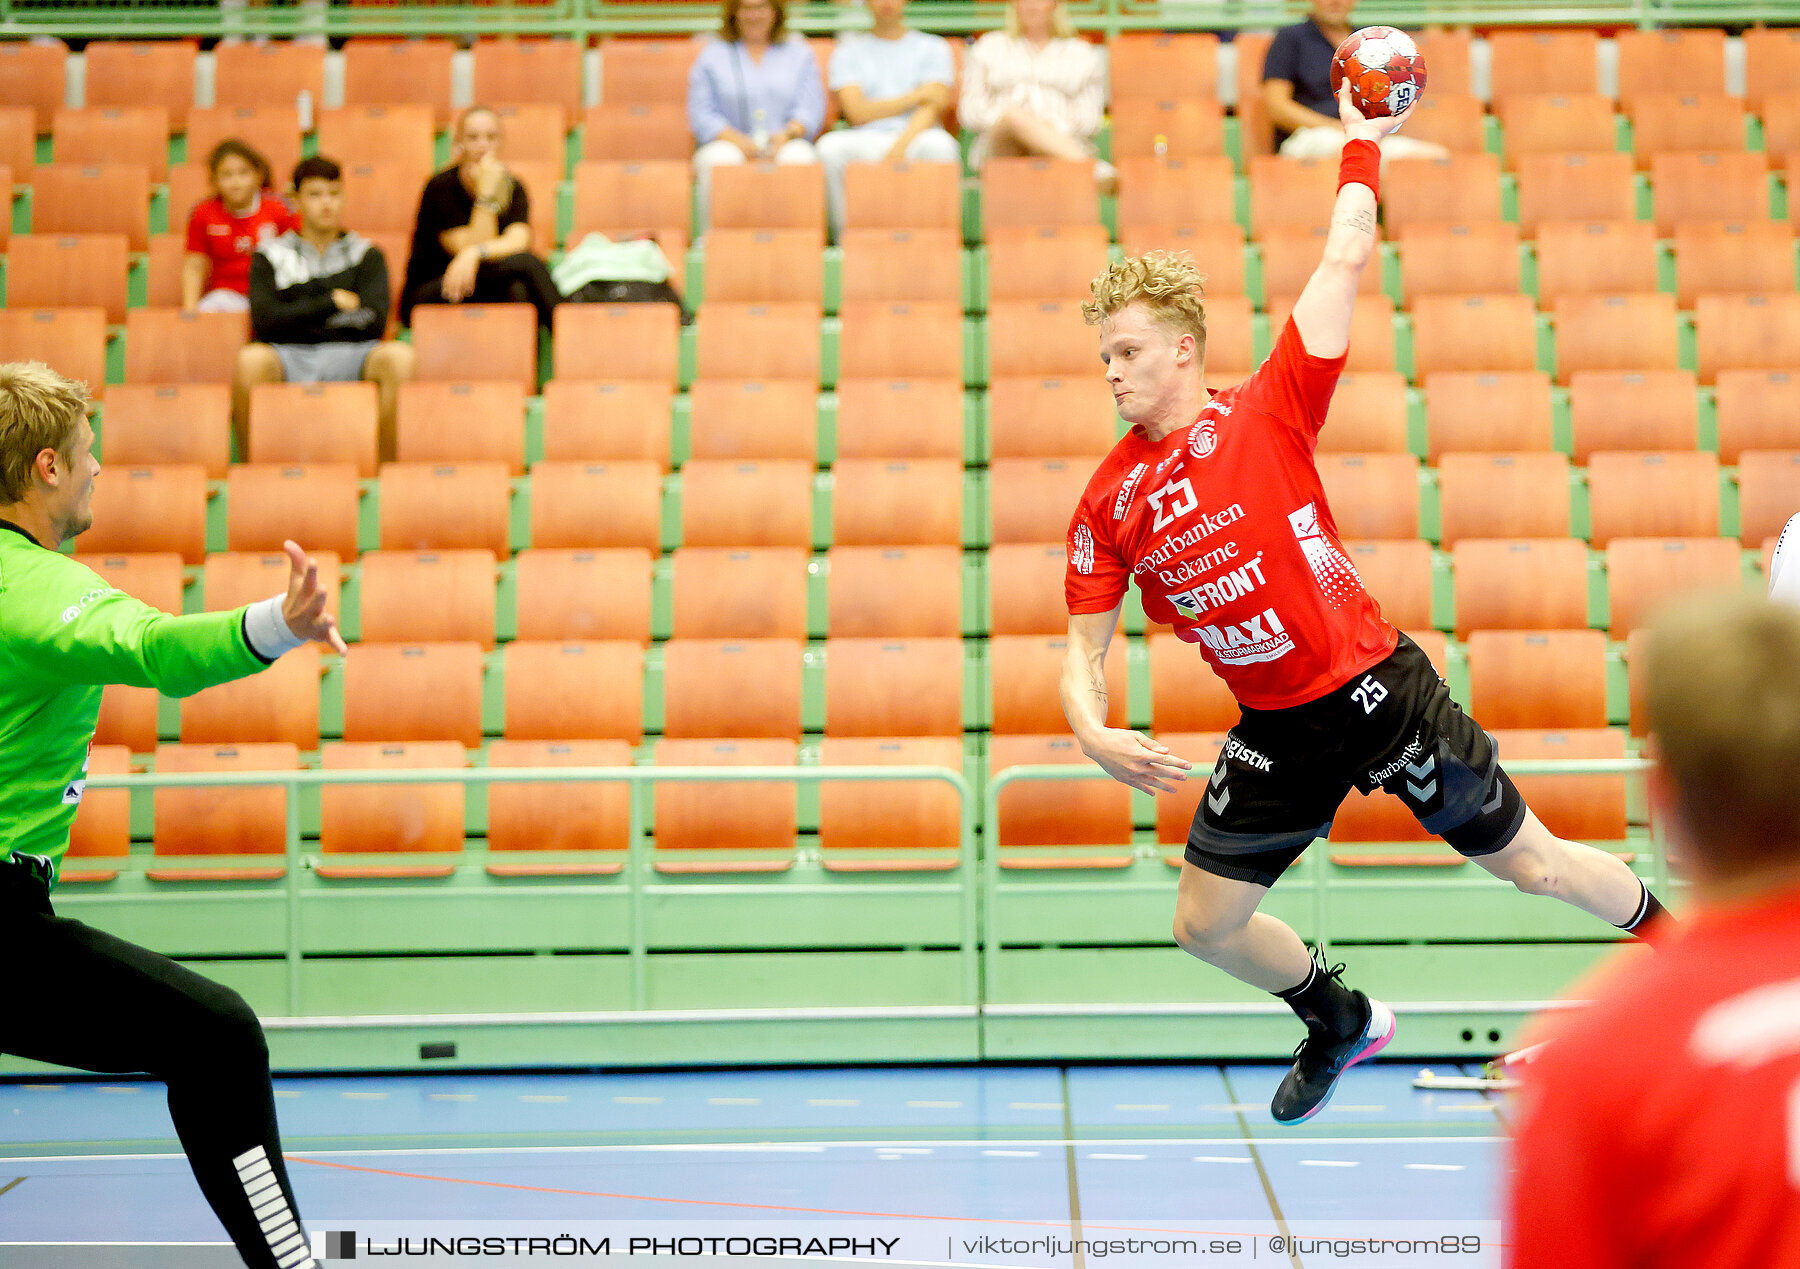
(1035, 88)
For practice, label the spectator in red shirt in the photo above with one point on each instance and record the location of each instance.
(225, 231)
(1661, 1124)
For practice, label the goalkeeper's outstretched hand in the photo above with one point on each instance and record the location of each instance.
(305, 606)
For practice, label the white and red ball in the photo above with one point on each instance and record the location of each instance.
(1384, 67)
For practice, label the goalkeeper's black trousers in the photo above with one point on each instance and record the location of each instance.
(77, 996)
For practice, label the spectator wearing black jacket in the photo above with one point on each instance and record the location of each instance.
(319, 304)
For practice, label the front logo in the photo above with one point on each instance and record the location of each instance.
(1081, 553)
(1221, 591)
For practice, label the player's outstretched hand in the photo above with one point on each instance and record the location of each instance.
(1130, 757)
(1357, 128)
(305, 606)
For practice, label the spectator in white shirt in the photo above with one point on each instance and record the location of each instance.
(1035, 88)
(894, 87)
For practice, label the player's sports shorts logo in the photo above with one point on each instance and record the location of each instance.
(1081, 553)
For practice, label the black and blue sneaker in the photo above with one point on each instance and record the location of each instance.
(1322, 1057)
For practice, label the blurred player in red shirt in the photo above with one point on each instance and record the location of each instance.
(1661, 1124)
(225, 231)
(1213, 504)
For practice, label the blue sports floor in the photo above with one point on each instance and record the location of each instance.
(947, 1153)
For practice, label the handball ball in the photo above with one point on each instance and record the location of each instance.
(1384, 68)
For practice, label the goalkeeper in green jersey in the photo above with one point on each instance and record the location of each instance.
(80, 997)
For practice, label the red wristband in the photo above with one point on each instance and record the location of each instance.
(1360, 164)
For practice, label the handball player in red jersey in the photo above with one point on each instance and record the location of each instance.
(1660, 1126)
(1212, 503)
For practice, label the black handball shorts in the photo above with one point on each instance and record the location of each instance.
(1283, 772)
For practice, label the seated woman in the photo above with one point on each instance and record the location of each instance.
(1035, 88)
(754, 93)
(224, 231)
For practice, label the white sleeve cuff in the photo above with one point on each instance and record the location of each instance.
(1784, 568)
(267, 630)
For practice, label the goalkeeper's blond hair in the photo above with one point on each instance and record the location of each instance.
(1170, 287)
(39, 410)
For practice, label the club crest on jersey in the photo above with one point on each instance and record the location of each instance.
(1122, 503)
(1081, 551)
(1203, 440)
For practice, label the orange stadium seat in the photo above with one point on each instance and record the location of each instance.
(137, 134)
(398, 134)
(616, 341)
(1708, 186)
(897, 502)
(1768, 492)
(271, 129)
(1150, 65)
(1633, 409)
(162, 270)
(1185, 693)
(398, 818)
(1040, 339)
(1615, 332)
(460, 342)
(128, 718)
(1023, 671)
(314, 423)
(583, 816)
(1644, 572)
(1538, 678)
(1520, 584)
(575, 691)
(445, 506)
(902, 196)
(1175, 191)
(315, 504)
(1032, 499)
(605, 421)
(413, 691)
(1652, 493)
(742, 815)
(95, 198)
(271, 74)
(759, 341)
(1574, 187)
(1747, 332)
(18, 145)
(514, 70)
(900, 418)
(1185, 126)
(381, 72)
(1025, 588)
(168, 423)
(236, 820)
(1050, 418)
(1455, 120)
(1372, 495)
(770, 196)
(1175, 811)
(1543, 62)
(1692, 60)
(636, 130)
(1771, 62)
(1217, 248)
(1298, 192)
(590, 505)
(1290, 256)
(757, 265)
(189, 185)
(1448, 52)
(150, 509)
(1595, 257)
(1501, 411)
(740, 688)
(1371, 332)
(33, 74)
(1229, 352)
(71, 339)
(907, 817)
(1780, 124)
(648, 194)
(1473, 332)
(1397, 572)
(1045, 262)
(754, 418)
(1060, 813)
(900, 341)
(428, 597)
(737, 503)
(166, 345)
(583, 595)
(1022, 192)
(535, 132)
(462, 422)
(901, 265)
(633, 69)
(738, 593)
(1758, 409)
(1671, 122)
(894, 687)
(1578, 808)
(894, 592)
(67, 270)
(1256, 131)
(1447, 259)
(1520, 495)
(1557, 123)
(1463, 189)
(231, 579)
(153, 578)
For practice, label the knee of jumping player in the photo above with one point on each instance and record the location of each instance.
(1203, 932)
(1531, 867)
(228, 1032)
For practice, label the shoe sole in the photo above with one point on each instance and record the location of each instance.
(1379, 1015)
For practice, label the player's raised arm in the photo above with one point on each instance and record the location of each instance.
(1127, 756)
(1323, 311)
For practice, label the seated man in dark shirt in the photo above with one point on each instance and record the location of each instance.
(318, 308)
(472, 240)
(1296, 89)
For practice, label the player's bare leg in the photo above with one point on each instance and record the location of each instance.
(1539, 862)
(1216, 921)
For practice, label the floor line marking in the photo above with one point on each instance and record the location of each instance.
(1262, 1173)
(1069, 1166)
(1435, 1167)
(13, 1184)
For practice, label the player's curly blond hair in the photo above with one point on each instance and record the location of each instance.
(1169, 285)
(39, 410)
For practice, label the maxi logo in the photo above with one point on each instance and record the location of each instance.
(1180, 496)
(1227, 588)
(1261, 638)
